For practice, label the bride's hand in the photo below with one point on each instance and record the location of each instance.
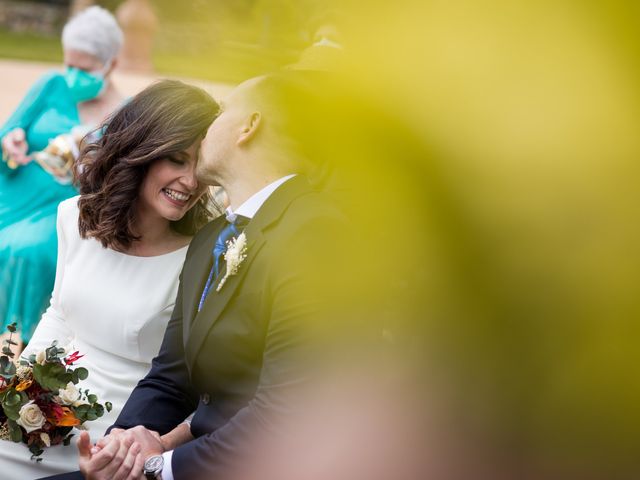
(176, 437)
(104, 441)
(120, 459)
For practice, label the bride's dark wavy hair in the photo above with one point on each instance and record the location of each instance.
(159, 122)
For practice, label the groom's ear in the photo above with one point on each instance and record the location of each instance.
(249, 128)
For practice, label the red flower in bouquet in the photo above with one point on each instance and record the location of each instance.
(74, 357)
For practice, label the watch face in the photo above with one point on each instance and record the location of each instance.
(154, 464)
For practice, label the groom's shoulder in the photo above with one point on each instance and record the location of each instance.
(313, 206)
(313, 214)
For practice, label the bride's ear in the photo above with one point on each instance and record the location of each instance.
(249, 128)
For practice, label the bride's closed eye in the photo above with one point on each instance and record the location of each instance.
(177, 160)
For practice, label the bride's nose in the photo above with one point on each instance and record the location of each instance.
(189, 179)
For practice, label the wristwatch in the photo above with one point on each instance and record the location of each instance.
(153, 467)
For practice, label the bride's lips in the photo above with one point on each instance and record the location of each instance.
(175, 197)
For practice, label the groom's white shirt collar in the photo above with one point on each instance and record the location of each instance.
(252, 204)
(248, 209)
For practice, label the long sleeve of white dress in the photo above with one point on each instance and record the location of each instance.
(52, 325)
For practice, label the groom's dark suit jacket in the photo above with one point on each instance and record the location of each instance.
(230, 361)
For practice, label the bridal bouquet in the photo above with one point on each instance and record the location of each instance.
(40, 402)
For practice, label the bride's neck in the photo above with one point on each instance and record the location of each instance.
(153, 231)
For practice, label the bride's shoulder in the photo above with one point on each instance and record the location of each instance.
(68, 209)
(68, 217)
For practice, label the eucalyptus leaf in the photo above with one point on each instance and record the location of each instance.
(67, 440)
(81, 411)
(51, 376)
(36, 450)
(51, 354)
(15, 432)
(7, 367)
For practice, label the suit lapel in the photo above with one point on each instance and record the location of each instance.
(216, 302)
(199, 266)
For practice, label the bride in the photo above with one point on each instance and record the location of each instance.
(121, 245)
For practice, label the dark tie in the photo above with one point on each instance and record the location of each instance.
(229, 232)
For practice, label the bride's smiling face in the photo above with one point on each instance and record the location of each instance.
(170, 187)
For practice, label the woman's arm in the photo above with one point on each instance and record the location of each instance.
(24, 115)
(52, 325)
(179, 435)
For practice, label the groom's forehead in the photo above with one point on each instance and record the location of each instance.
(234, 98)
(242, 92)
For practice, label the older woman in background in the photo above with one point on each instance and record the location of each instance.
(71, 103)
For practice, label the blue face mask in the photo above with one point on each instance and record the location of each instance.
(83, 85)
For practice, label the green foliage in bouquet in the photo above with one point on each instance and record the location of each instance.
(39, 401)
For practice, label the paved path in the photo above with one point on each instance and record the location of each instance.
(16, 77)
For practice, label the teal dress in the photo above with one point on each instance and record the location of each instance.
(29, 199)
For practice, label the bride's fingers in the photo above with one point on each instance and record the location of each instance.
(108, 459)
(93, 467)
(84, 446)
(116, 464)
(138, 466)
(110, 464)
(126, 468)
(102, 442)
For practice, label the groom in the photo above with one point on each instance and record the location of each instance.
(239, 332)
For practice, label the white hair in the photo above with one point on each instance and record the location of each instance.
(94, 31)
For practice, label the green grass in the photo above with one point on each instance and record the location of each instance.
(28, 46)
(231, 62)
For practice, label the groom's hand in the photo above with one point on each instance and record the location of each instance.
(102, 442)
(150, 442)
(120, 459)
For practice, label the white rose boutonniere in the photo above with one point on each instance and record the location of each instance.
(31, 417)
(234, 256)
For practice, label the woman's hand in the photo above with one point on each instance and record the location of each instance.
(176, 437)
(14, 146)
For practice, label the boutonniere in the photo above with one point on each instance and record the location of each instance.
(234, 256)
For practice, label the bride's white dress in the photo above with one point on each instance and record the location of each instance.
(113, 308)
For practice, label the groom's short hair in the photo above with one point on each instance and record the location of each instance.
(292, 104)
